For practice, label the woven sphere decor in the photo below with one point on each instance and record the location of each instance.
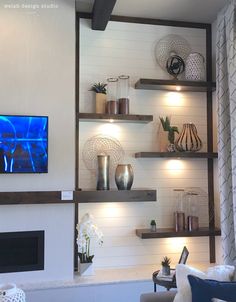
(11, 293)
(171, 45)
(175, 65)
(102, 145)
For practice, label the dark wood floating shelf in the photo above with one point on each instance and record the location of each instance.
(173, 85)
(176, 155)
(33, 197)
(128, 118)
(135, 195)
(167, 233)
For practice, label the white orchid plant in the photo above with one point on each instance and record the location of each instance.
(87, 231)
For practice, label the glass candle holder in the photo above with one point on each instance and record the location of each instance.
(112, 106)
(179, 215)
(124, 94)
(193, 211)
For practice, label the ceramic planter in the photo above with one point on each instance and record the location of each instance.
(101, 102)
(86, 269)
(166, 270)
(11, 293)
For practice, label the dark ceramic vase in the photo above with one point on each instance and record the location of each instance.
(103, 172)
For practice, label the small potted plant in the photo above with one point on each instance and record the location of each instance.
(101, 91)
(153, 226)
(165, 122)
(166, 266)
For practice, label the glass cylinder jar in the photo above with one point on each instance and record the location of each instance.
(193, 211)
(112, 103)
(179, 215)
(124, 94)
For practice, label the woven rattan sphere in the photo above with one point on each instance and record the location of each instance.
(102, 145)
(171, 45)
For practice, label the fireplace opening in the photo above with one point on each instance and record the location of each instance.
(21, 251)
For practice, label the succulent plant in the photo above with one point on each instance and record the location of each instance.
(171, 129)
(153, 222)
(166, 261)
(99, 88)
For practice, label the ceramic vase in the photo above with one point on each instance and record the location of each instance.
(195, 69)
(188, 140)
(103, 162)
(11, 293)
(124, 177)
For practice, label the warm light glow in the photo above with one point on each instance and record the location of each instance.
(111, 209)
(178, 88)
(176, 244)
(111, 121)
(175, 164)
(110, 129)
(174, 98)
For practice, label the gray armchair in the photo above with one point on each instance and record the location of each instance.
(166, 296)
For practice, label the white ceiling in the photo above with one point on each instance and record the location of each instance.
(204, 11)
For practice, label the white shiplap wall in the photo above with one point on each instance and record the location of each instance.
(129, 49)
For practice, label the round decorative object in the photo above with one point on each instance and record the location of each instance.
(171, 45)
(195, 69)
(102, 145)
(188, 139)
(11, 293)
(175, 65)
(124, 177)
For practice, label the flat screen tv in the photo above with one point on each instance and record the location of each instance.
(23, 144)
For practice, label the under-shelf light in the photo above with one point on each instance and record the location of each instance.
(110, 129)
(174, 98)
(178, 88)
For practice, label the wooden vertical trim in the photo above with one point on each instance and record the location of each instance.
(76, 218)
(210, 166)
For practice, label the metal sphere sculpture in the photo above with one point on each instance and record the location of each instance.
(175, 65)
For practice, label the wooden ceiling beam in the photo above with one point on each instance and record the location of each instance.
(102, 10)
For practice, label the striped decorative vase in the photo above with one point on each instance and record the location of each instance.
(188, 140)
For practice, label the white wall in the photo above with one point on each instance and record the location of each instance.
(37, 63)
(129, 49)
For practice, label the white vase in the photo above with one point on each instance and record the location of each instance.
(86, 269)
(11, 293)
(195, 69)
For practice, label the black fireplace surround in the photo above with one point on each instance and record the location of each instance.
(21, 251)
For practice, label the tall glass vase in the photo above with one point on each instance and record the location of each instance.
(188, 140)
(103, 172)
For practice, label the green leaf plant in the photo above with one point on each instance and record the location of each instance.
(166, 261)
(99, 88)
(165, 122)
